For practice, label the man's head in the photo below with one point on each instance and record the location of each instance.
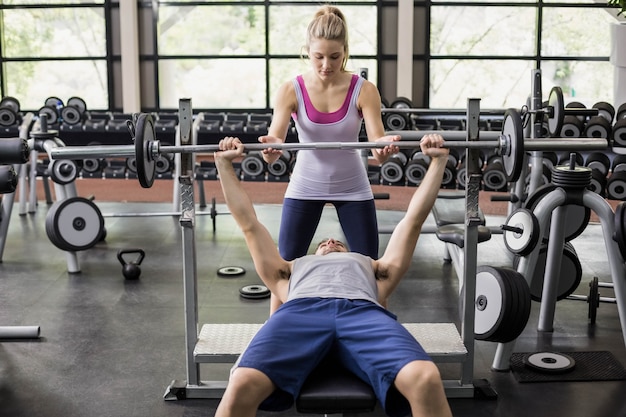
(330, 245)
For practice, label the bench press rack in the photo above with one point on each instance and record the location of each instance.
(222, 343)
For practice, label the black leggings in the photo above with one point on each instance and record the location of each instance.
(300, 219)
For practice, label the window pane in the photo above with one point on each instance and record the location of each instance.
(584, 81)
(213, 83)
(500, 31)
(64, 32)
(211, 30)
(288, 39)
(32, 82)
(564, 35)
(499, 84)
(51, 2)
(283, 70)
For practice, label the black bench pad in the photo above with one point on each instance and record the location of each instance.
(331, 389)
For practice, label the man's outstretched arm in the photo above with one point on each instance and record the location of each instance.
(270, 266)
(399, 252)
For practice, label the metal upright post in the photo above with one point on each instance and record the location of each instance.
(187, 223)
(470, 248)
(536, 121)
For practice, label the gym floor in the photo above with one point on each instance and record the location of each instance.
(111, 347)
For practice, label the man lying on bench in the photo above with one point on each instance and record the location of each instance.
(333, 305)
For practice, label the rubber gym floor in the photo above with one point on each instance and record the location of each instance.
(111, 347)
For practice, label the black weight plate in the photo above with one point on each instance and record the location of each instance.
(254, 292)
(51, 113)
(490, 302)
(605, 110)
(144, 139)
(577, 217)
(392, 171)
(401, 103)
(10, 103)
(77, 102)
(522, 243)
(513, 158)
(519, 309)
(598, 127)
(618, 133)
(62, 171)
(593, 300)
(230, 271)
(70, 115)
(7, 117)
(569, 278)
(253, 164)
(53, 102)
(550, 362)
(74, 224)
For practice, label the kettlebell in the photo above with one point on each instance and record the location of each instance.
(131, 270)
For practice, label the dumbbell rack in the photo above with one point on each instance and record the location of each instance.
(551, 210)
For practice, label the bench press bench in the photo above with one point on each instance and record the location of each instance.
(330, 389)
(449, 213)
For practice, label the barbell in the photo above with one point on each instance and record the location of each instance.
(509, 144)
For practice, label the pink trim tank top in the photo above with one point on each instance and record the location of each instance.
(337, 174)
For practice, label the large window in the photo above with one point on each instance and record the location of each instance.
(54, 49)
(235, 56)
(488, 51)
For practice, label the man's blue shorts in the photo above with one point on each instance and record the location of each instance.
(366, 338)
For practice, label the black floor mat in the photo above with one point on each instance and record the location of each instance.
(590, 366)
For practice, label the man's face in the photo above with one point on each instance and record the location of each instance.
(330, 245)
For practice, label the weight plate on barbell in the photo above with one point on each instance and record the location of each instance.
(555, 119)
(230, 271)
(144, 138)
(513, 157)
(74, 224)
(550, 362)
(522, 243)
(254, 292)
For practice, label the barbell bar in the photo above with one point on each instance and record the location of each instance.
(509, 144)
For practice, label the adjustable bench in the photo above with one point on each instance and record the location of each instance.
(329, 389)
(449, 213)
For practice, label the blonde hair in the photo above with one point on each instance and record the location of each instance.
(329, 23)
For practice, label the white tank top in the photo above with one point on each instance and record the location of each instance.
(346, 275)
(337, 174)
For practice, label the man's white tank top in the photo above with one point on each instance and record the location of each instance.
(346, 275)
(329, 174)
